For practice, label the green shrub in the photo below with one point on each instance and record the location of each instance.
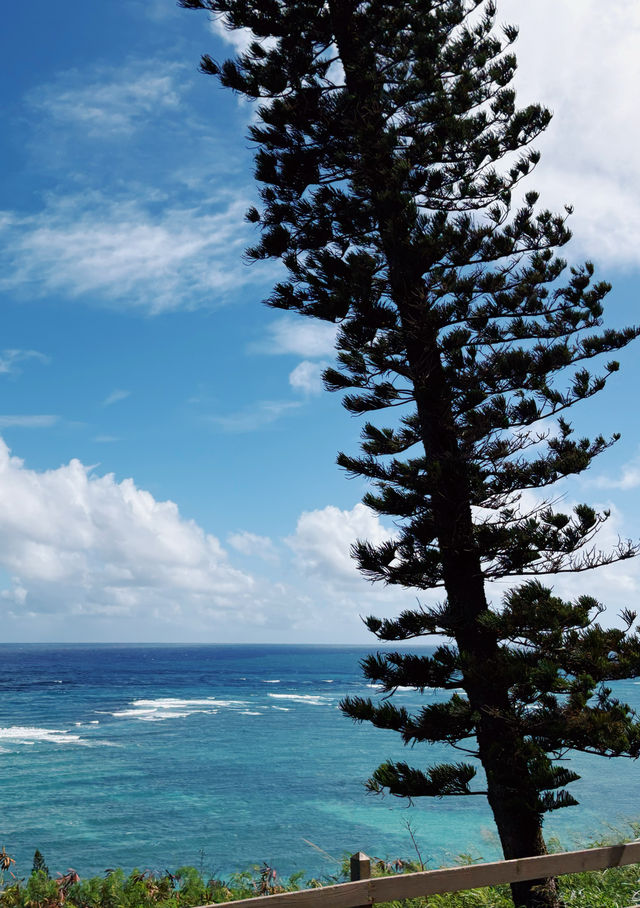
(618, 887)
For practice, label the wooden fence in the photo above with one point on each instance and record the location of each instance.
(365, 890)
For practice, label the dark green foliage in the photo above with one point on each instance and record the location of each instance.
(39, 864)
(390, 151)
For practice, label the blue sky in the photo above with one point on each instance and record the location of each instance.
(168, 469)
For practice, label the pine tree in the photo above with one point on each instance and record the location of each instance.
(390, 151)
(39, 864)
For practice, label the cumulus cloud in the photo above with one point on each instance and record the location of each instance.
(323, 538)
(80, 544)
(586, 69)
(321, 546)
(126, 253)
(82, 548)
(307, 377)
(324, 570)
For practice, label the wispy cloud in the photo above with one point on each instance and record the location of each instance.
(107, 102)
(125, 253)
(254, 417)
(10, 359)
(115, 396)
(27, 421)
(252, 545)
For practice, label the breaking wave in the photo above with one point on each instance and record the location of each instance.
(174, 708)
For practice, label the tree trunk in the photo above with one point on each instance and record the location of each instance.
(512, 799)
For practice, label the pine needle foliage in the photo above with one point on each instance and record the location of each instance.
(390, 152)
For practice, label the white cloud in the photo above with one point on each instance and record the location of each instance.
(251, 544)
(324, 572)
(9, 359)
(27, 420)
(307, 377)
(586, 68)
(254, 417)
(109, 102)
(323, 539)
(89, 556)
(629, 478)
(616, 585)
(126, 254)
(98, 553)
(321, 546)
(298, 335)
(238, 38)
(115, 396)
(81, 544)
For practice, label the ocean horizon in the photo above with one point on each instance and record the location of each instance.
(224, 756)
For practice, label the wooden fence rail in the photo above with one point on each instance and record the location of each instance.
(365, 890)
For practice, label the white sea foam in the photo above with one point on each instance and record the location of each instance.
(274, 681)
(328, 680)
(311, 699)
(25, 734)
(249, 712)
(174, 708)
(396, 687)
(282, 709)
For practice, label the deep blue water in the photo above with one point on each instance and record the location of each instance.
(227, 756)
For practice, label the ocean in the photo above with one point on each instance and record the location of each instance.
(224, 757)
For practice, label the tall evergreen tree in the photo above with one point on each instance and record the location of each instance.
(390, 149)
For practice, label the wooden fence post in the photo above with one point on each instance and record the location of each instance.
(360, 870)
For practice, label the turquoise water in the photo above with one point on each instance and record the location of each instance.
(227, 756)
